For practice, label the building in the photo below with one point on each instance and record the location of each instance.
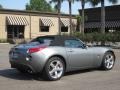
(18, 24)
(93, 22)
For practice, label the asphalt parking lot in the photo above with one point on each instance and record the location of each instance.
(10, 79)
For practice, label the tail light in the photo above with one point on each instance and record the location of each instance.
(35, 49)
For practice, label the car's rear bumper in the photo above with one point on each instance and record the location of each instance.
(32, 64)
(25, 67)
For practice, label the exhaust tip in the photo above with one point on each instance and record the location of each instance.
(30, 71)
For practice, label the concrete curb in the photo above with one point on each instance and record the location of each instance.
(4, 43)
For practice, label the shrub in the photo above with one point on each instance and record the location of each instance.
(99, 37)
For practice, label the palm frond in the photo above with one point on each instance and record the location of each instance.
(93, 2)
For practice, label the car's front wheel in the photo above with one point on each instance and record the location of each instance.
(108, 61)
(54, 69)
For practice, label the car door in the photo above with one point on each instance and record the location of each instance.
(79, 55)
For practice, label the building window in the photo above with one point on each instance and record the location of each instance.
(64, 29)
(44, 28)
(15, 31)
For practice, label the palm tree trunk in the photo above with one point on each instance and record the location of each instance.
(83, 17)
(102, 16)
(70, 12)
(59, 16)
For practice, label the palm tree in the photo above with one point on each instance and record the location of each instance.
(78, 27)
(96, 2)
(58, 8)
(83, 16)
(70, 13)
(70, 9)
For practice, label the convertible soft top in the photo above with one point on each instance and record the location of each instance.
(58, 40)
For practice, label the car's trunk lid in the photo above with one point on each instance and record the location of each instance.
(23, 48)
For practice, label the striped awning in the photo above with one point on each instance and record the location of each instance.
(46, 22)
(14, 20)
(65, 23)
(108, 24)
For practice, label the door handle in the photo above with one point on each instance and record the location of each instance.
(70, 51)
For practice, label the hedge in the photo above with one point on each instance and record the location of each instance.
(98, 37)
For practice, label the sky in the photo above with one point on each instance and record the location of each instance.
(20, 5)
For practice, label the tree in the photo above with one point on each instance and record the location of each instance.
(96, 2)
(83, 15)
(78, 27)
(79, 21)
(39, 5)
(70, 13)
(58, 8)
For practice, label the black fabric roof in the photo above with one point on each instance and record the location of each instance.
(59, 39)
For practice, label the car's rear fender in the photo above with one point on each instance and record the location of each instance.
(44, 55)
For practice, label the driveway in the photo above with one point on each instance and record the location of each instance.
(11, 79)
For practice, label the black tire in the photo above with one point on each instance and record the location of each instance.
(46, 74)
(104, 61)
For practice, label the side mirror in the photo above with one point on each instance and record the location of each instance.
(85, 46)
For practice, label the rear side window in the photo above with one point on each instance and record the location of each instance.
(43, 40)
(73, 43)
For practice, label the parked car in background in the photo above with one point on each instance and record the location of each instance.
(54, 55)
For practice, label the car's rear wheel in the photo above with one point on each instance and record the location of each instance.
(54, 69)
(108, 61)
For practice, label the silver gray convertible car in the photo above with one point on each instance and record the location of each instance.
(54, 55)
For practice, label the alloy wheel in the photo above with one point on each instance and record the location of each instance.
(109, 61)
(56, 69)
